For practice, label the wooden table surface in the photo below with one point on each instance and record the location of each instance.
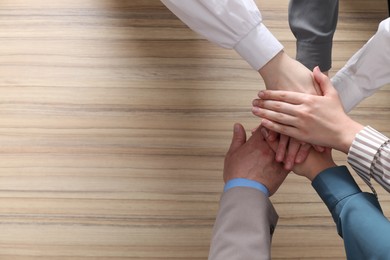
(114, 122)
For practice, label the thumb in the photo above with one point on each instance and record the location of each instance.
(323, 81)
(239, 137)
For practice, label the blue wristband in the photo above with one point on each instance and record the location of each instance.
(241, 182)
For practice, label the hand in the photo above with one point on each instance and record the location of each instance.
(252, 159)
(319, 120)
(315, 163)
(285, 73)
(289, 150)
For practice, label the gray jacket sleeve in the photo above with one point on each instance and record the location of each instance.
(244, 226)
(313, 23)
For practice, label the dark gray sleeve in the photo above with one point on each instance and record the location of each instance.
(388, 6)
(313, 23)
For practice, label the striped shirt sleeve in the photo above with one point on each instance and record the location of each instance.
(369, 156)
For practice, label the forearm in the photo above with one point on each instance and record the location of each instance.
(233, 24)
(346, 133)
(369, 155)
(242, 230)
(367, 70)
(358, 216)
(364, 228)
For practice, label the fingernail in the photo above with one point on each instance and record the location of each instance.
(255, 109)
(265, 122)
(288, 166)
(264, 132)
(272, 138)
(261, 94)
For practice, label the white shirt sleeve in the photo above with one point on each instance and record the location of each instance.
(367, 70)
(232, 24)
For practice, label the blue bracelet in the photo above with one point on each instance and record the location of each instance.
(241, 182)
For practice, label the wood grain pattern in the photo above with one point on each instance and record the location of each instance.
(114, 121)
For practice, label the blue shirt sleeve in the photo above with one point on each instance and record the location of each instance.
(242, 182)
(358, 215)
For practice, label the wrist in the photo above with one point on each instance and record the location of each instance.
(315, 163)
(348, 134)
(271, 66)
(318, 168)
(284, 73)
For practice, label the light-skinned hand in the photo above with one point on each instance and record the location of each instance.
(289, 150)
(315, 162)
(285, 73)
(252, 159)
(319, 120)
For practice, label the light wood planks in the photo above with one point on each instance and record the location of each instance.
(114, 121)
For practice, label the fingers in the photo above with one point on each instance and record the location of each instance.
(264, 132)
(323, 81)
(277, 106)
(257, 135)
(319, 148)
(281, 128)
(284, 96)
(297, 152)
(254, 130)
(270, 138)
(239, 137)
(282, 147)
(328, 151)
(303, 153)
(293, 148)
(281, 118)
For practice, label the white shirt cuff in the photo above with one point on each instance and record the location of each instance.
(258, 47)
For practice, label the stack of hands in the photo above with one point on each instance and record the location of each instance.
(297, 133)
